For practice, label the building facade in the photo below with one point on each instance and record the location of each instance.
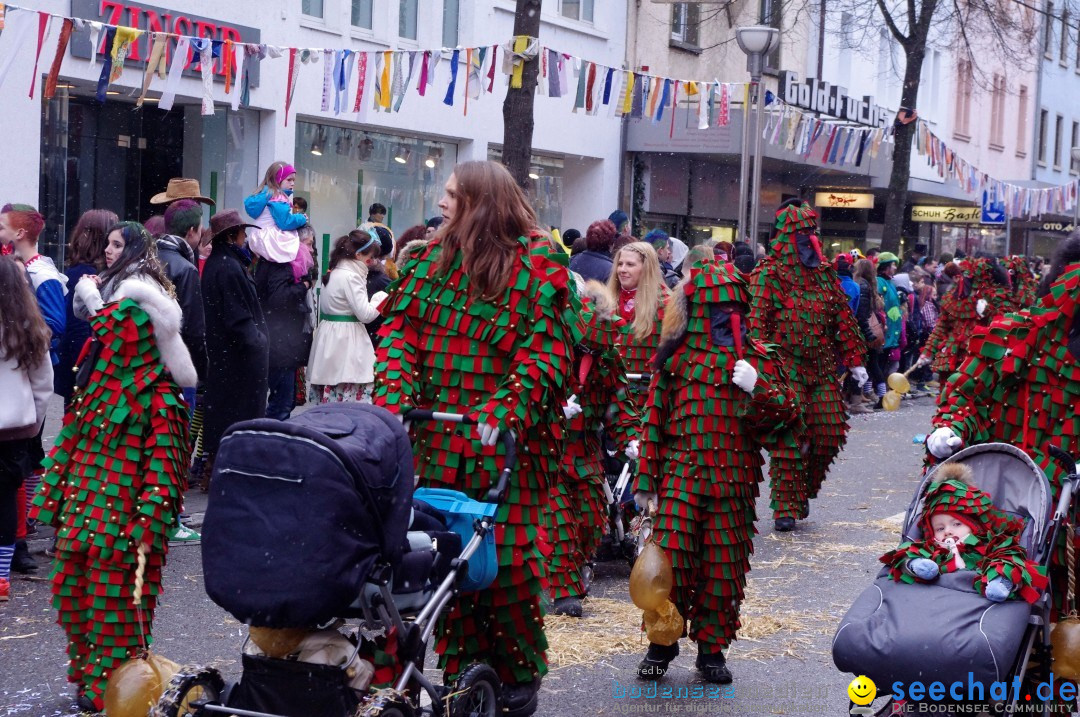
(114, 155)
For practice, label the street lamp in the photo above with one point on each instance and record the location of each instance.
(756, 41)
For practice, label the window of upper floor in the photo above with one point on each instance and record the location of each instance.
(685, 26)
(313, 8)
(583, 10)
(361, 14)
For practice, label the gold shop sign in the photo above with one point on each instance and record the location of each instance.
(946, 215)
(843, 200)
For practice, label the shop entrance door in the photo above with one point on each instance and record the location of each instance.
(105, 156)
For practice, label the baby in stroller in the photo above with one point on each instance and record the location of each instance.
(964, 531)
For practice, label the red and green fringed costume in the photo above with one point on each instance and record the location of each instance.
(505, 362)
(1021, 385)
(992, 550)
(803, 311)
(1024, 284)
(578, 499)
(701, 450)
(948, 342)
(114, 481)
(638, 353)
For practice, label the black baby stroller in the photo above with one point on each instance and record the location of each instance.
(947, 632)
(313, 523)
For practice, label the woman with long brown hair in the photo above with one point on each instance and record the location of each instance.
(476, 325)
(639, 287)
(85, 256)
(26, 375)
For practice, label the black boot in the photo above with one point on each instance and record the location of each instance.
(784, 525)
(713, 667)
(657, 659)
(569, 606)
(519, 698)
(21, 562)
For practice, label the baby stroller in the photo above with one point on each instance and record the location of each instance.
(314, 533)
(623, 539)
(947, 632)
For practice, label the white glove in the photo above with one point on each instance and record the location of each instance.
(377, 298)
(924, 360)
(980, 306)
(88, 293)
(859, 374)
(643, 498)
(571, 408)
(943, 442)
(489, 435)
(744, 376)
(633, 450)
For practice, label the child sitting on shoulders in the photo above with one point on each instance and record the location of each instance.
(962, 530)
(276, 238)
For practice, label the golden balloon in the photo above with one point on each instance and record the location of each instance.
(1065, 646)
(899, 382)
(651, 578)
(137, 685)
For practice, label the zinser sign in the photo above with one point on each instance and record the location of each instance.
(157, 19)
(946, 215)
(818, 96)
(844, 200)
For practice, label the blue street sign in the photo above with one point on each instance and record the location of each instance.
(992, 212)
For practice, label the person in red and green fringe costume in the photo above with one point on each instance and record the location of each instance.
(638, 286)
(1024, 285)
(716, 399)
(798, 304)
(114, 480)
(1020, 384)
(477, 324)
(602, 400)
(981, 294)
(962, 530)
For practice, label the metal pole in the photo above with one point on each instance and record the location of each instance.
(755, 189)
(744, 169)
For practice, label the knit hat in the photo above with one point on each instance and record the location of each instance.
(887, 257)
(954, 493)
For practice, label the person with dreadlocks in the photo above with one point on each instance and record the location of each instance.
(1020, 384)
(717, 397)
(602, 400)
(962, 530)
(476, 324)
(980, 294)
(114, 482)
(797, 304)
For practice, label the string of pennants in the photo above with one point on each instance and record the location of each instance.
(1018, 201)
(843, 143)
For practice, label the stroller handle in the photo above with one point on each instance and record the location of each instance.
(1068, 485)
(496, 494)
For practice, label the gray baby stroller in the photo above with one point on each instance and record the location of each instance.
(946, 632)
(316, 539)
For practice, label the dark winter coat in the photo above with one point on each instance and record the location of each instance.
(236, 344)
(179, 262)
(284, 304)
(866, 306)
(592, 265)
(76, 332)
(377, 281)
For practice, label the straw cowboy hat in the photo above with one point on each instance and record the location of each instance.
(181, 188)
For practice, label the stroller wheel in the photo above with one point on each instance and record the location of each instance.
(386, 704)
(477, 693)
(189, 691)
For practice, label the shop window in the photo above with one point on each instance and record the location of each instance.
(450, 23)
(1059, 129)
(685, 19)
(1044, 119)
(361, 13)
(312, 8)
(355, 168)
(577, 9)
(407, 11)
(545, 195)
(1021, 122)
